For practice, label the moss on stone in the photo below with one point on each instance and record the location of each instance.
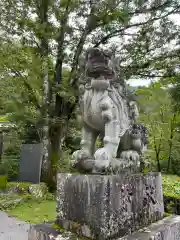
(75, 230)
(57, 227)
(166, 215)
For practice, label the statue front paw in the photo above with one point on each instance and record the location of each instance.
(82, 161)
(102, 160)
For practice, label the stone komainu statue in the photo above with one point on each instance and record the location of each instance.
(107, 111)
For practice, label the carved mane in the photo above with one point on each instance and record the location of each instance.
(100, 71)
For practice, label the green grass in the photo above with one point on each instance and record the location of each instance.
(35, 212)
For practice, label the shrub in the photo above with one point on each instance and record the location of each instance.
(64, 162)
(3, 170)
(3, 182)
(38, 190)
(18, 187)
(171, 191)
(10, 201)
(11, 166)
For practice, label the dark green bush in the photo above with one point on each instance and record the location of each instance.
(11, 201)
(3, 169)
(11, 155)
(3, 182)
(11, 167)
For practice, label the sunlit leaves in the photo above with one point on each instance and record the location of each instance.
(157, 113)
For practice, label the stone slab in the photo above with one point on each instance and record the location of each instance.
(165, 229)
(108, 206)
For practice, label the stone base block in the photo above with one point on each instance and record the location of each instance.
(108, 207)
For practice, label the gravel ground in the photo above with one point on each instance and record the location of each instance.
(12, 229)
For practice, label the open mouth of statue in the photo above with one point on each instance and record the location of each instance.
(97, 70)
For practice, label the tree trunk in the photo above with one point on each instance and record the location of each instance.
(56, 136)
(42, 12)
(158, 162)
(1, 145)
(169, 167)
(157, 151)
(45, 140)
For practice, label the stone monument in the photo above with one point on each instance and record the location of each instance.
(30, 163)
(109, 198)
(114, 199)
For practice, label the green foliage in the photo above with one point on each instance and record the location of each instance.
(11, 153)
(176, 165)
(18, 187)
(157, 113)
(11, 201)
(171, 186)
(11, 167)
(171, 191)
(3, 119)
(64, 162)
(38, 190)
(34, 49)
(3, 170)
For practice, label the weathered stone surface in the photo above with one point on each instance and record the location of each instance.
(45, 231)
(42, 232)
(107, 207)
(165, 229)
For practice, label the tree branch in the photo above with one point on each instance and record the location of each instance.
(79, 48)
(114, 33)
(32, 96)
(154, 8)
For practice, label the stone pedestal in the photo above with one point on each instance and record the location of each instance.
(166, 229)
(108, 207)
